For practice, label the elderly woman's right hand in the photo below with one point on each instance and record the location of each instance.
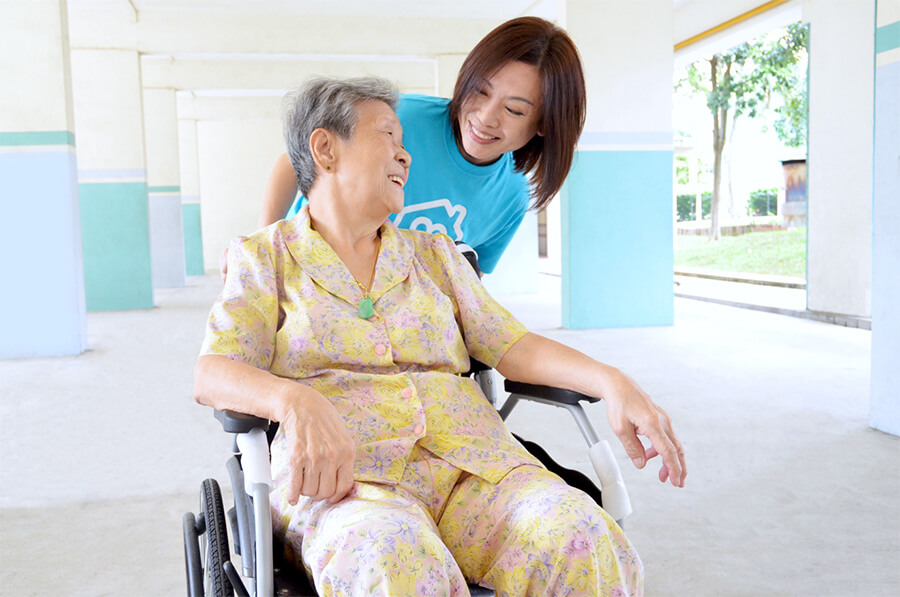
(320, 450)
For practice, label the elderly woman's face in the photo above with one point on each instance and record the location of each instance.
(374, 165)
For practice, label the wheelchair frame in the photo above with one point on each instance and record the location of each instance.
(251, 518)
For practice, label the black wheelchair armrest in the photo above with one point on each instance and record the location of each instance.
(559, 395)
(235, 422)
(475, 366)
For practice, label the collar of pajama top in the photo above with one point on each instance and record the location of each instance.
(289, 306)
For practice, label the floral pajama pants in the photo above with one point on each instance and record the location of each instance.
(530, 534)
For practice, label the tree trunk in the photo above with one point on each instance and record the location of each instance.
(720, 120)
(727, 156)
(714, 230)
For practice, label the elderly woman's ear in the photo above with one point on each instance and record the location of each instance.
(324, 147)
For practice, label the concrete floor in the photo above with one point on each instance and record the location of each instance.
(789, 493)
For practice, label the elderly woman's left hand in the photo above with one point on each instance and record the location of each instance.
(631, 412)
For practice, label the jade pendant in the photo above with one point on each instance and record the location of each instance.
(365, 308)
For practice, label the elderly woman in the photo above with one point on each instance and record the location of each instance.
(394, 475)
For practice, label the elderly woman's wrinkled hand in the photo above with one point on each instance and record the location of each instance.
(321, 451)
(631, 413)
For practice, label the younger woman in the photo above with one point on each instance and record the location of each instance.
(518, 109)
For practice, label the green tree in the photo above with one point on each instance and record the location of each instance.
(744, 81)
(778, 74)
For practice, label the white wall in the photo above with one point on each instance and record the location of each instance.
(161, 137)
(212, 71)
(106, 86)
(234, 160)
(35, 41)
(187, 161)
(115, 25)
(516, 271)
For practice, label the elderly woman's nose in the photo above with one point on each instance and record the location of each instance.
(404, 157)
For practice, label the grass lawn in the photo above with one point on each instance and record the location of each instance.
(782, 252)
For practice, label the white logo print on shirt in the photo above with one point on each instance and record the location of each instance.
(439, 216)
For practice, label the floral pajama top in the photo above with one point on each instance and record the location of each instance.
(289, 306)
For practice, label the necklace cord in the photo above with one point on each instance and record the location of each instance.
(365, 289)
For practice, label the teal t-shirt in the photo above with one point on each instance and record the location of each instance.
(481, 206)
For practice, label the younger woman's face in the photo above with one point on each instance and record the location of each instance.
(502, 115)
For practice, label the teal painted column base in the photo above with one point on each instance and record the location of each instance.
(193, 239)
(115, 232)
(617, 246)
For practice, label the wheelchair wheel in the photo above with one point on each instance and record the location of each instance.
(214, 542)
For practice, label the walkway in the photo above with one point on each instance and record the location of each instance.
(790, 492)
(772, 294)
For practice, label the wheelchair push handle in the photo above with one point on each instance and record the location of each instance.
(615, 496)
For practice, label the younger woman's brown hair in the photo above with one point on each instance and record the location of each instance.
(545, 46)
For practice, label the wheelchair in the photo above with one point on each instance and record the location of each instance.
(265, 573)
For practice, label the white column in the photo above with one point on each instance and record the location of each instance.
(190, 197)
(238, 140)
(43, 290)
(839, 175)
(885, 398)
(617, 251)
(112, 179)
(164, 190)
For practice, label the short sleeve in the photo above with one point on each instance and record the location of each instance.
(244, 319)
(488, 329)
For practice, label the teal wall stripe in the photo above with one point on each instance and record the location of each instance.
(115, 233)
(193, 239)
(617, 254)
(173, 189)
(37, 138)
(887, 38)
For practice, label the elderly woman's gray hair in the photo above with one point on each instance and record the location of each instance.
(326, 103)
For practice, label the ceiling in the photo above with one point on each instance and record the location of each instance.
(691, 16)
(473, 9)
